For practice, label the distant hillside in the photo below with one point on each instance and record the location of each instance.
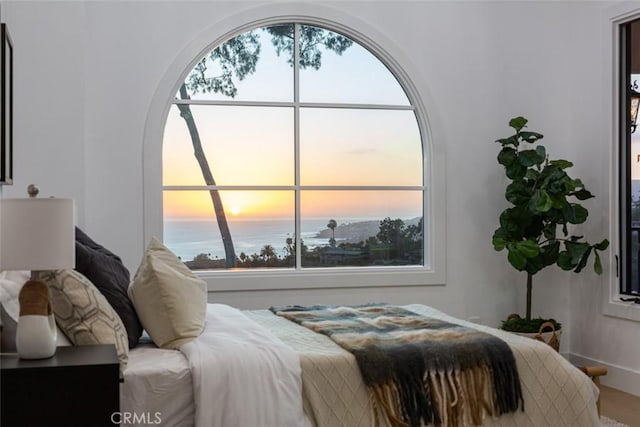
(356, 232)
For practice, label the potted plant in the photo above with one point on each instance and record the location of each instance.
(544, 204)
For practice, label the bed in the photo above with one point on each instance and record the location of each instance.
(159, 381)
(295, 376)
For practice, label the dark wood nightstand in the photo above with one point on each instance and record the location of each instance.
(78, 386)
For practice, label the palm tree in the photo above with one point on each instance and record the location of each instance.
(332, 225)
(268, 252)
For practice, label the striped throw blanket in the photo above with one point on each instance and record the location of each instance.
(420, 370)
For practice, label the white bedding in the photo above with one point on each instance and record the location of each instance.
(242, 374)
(158, 383)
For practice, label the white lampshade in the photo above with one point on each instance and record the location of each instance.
(37, 234)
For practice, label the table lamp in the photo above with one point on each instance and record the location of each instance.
(36, 234)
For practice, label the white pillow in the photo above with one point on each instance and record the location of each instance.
(170, 300)
(10, 284)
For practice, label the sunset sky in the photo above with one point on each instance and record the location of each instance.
(255, 145)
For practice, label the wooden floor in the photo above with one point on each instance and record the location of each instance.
(620, 406)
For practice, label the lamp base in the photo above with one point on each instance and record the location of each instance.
(36, 330)
(35, 337)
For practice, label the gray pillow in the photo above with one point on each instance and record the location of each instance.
(107, 272)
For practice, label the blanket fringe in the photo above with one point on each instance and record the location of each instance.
(384, 401)
(456, 398)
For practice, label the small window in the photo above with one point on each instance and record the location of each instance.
(292, 146)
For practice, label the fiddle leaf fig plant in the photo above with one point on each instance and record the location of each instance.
(544, 202)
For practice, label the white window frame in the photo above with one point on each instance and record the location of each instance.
(432, 273)
(611, 304)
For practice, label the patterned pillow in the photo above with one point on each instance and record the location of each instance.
(170, 300)
(84, 314)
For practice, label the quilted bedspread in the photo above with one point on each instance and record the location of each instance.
(555, 392)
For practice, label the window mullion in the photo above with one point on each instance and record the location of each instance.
(284, 104)
(296, 143)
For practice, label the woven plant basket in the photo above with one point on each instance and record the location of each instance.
(550, 337)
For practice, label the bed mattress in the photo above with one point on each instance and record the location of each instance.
(555, 392)
(157, 386)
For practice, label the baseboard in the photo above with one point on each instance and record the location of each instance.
(617, 377)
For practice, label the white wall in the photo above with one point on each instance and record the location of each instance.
(87, 72)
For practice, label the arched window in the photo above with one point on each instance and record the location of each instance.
(293, 147)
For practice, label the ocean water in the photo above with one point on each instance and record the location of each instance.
(188, 238)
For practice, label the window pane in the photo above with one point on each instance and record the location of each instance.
(247, 67)
(635, 202)
(260, 222)
(630, 205)
(243, 145)
(359, 147)
(361, 228)
(333, 68)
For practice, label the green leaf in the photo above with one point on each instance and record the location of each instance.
(582, 194)
(564, 261)
(597, 265)
(568, 214)
(558, 200)
(562, 164)
(534, 265)
(532, 174)
(530, 137)
(512, 140)
(499, 242)
(530, 158)
(507, 156)
(516, 259)
(508, 222)
(518, 123)
(541, 201)
(517, 193)
(549, 252)
(572, 184)
(577, 252)
(528, 248)
(547, 256)
(583, 261)
(580, 214)
(602, 245)
(554, 178)
(515, 171)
